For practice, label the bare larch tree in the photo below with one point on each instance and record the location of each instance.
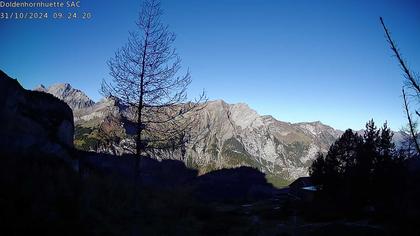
(411, 84)
(146, 78)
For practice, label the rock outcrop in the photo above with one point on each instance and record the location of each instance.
(33, 121)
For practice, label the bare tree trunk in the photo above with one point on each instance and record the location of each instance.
(410, 123)
(139, 144)
(140, 126)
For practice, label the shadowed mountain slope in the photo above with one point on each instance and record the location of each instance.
(226, 136)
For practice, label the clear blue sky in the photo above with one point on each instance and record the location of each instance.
(295, 60)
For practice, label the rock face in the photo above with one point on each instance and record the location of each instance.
(235, 135)
(33, 120)
(75, 98)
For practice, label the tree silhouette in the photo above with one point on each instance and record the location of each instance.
(146, 78)
(329, 171)
(358, 169)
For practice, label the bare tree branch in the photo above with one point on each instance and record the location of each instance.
(410, 122)
(407, 72)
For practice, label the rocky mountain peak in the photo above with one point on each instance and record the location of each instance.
(244, 116)
(75, 98)
(41, 88)
(61, 89)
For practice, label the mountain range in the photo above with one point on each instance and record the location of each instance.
(230, 135)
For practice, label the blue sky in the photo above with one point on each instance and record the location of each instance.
(295, 60)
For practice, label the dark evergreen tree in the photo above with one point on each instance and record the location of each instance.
(359, 170)
(317, 171)
(386, 146)
(330, 171)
